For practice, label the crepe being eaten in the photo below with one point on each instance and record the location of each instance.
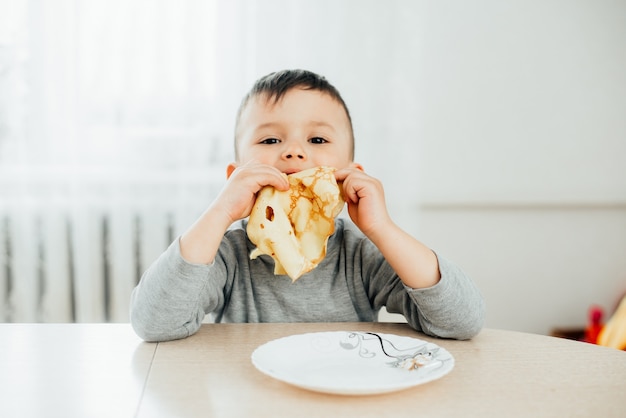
(293, 226)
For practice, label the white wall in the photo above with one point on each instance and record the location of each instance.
(537, 268)
(523, 154)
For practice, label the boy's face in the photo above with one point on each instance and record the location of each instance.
(305, 129)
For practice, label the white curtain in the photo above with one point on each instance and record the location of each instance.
(116, 123)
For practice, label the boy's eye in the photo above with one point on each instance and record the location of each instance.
(270, 141)
(317, 140)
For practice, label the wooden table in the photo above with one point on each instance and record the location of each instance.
(91, 370)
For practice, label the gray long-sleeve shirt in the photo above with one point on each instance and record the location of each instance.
(352, 283)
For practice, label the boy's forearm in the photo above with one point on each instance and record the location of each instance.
(415, 263)
(165, 305)
(200, 243)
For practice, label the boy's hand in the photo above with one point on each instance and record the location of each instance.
(365, 198)
(416, 265)
(200, 243)
(239, 194)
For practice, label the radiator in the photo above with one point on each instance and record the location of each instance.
(74, 252)
(76, 267)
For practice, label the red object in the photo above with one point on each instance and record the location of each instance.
(594, 324)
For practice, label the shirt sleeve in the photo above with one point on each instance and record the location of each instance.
(168, 303)
(453, 308)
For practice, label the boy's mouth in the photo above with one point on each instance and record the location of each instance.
(291, 171)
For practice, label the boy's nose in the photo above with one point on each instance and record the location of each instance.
(298, 155)
(294, 152)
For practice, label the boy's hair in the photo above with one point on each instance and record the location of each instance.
(275, 85)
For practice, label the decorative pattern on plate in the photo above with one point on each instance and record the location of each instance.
(409, 358)
(352, 362)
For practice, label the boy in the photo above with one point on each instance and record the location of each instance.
(290, 121)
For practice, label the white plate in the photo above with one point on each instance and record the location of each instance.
(350, 362)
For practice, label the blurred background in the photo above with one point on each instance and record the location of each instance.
(498, 129)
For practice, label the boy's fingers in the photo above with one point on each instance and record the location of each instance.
(263, 175)
(340, 175)
(278, 181)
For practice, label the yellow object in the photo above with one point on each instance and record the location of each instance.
(614, 332)
(293, 226)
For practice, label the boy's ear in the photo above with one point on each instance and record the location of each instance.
(229, 169)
